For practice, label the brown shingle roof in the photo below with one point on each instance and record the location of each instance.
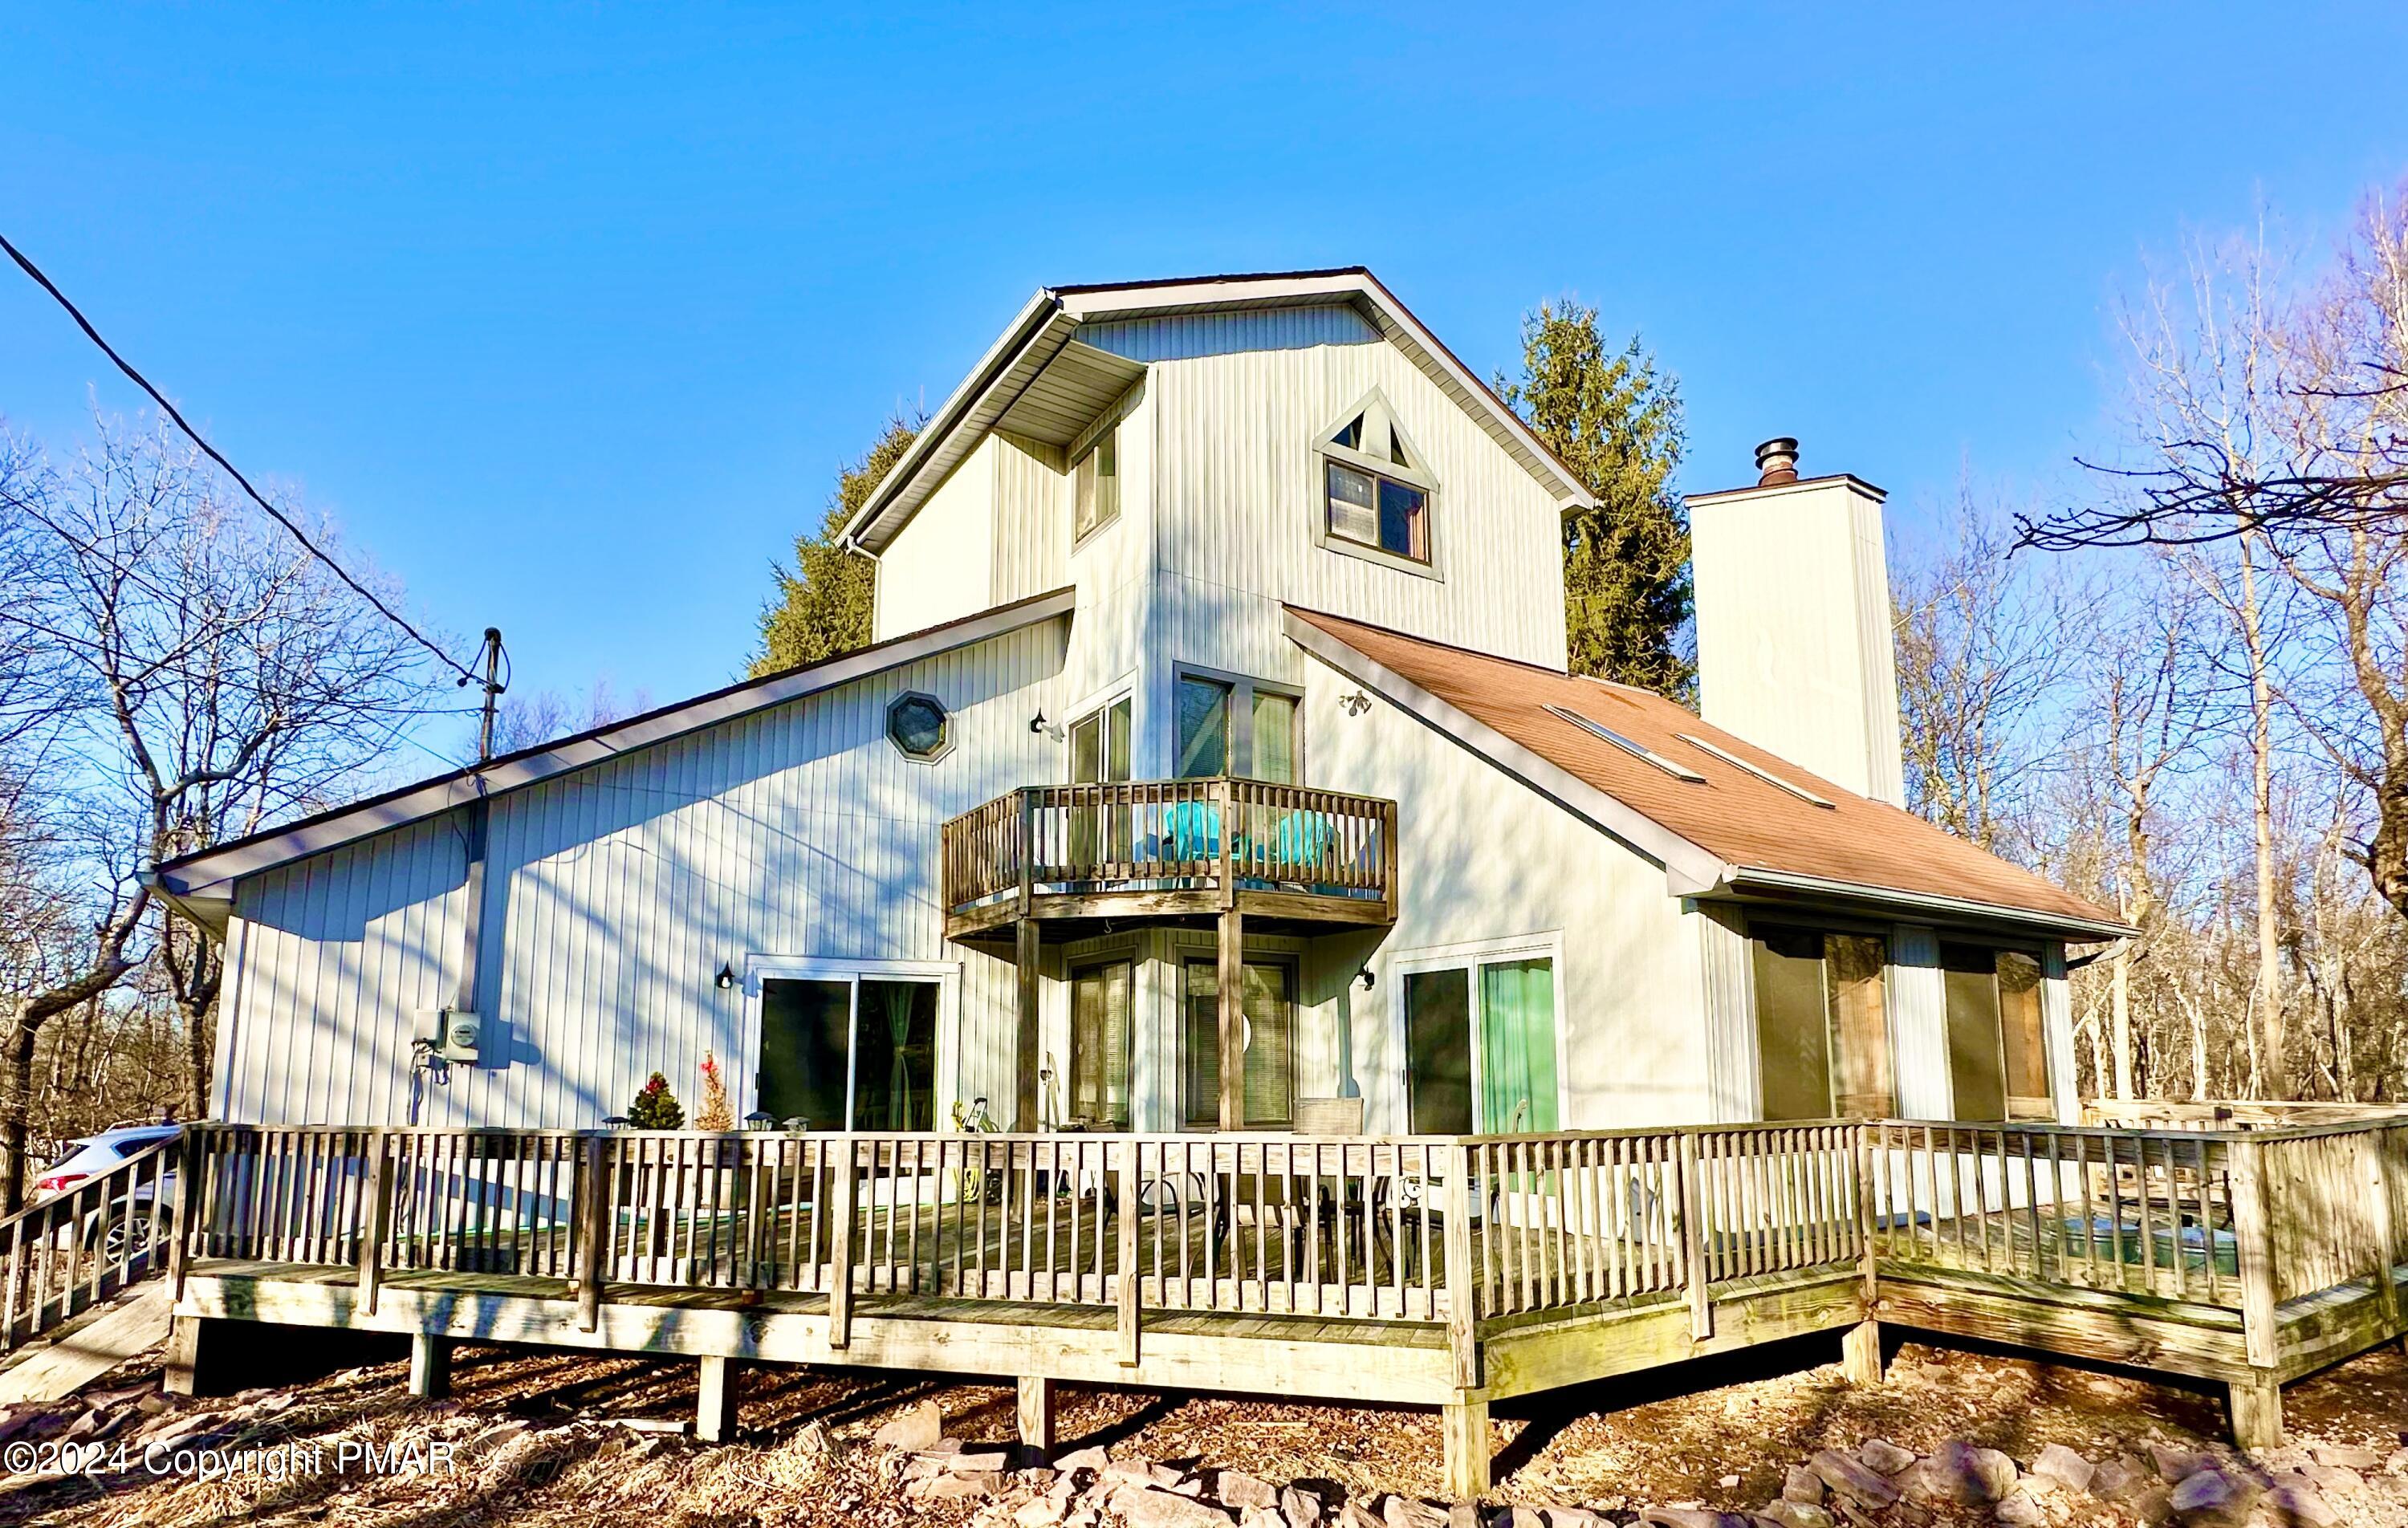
(1742, 820)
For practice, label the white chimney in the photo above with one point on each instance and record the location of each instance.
(1794, 621)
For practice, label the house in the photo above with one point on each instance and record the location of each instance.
(1264, 529)
(1375, 1010)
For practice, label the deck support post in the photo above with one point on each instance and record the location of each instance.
(2253, 1405)
(1465, 1424)
(1232, 1013)
(1860, 1353)
(1037, 1412)
(430, 1365)
(187, 1344)
(594, 1229)
(714, 1399)
(1025, 951)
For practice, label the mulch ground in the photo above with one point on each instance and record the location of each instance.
(544, 1437)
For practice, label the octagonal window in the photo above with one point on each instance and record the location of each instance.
(917, 724)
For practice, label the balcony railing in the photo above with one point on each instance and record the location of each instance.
(1224, 836)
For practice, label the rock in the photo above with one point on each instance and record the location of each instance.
(1853, 1481)
(2292, 1503)
(1802, 1485)
(1299, 1507)
(953, 1487)
(2333, 1477)
(1355, 1515)
(1519, 1517)
(2175, 1466)
(1240, 1490)
(2396, 1463)
(1574, 1517)
(813, 1437)
(1684, 1517)
(1789, 1514)
(1461, 1515)
(2208, 1495)
(1144, 1507)
(1260, 1516)
(1961, 1471)
(916, 1429)
(1406, 1513)
(2345, 1456)
(1882, 1455)
(2122, 1479)
(1729, 1482)
(2066, 1468)
(1042, 1512)
(965, 1461)
(2021, 1509)
(1089, 1458)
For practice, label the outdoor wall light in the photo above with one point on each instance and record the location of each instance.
(1356, 704)
(726, 976)
(1037, 723)
(1367, 978)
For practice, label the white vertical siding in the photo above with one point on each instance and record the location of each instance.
(1918, 1023)
(1729, 971)
(1032, 520)
(1483, 859)
(942, 567)
(1794, 647)
(615, 895)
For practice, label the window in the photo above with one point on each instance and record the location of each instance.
(1268, 1001)
(1998, 1047)
(1628, 745)
(1235, 726)
(1099, 1046)
(1099, 743)
(917, 726)
(1479, 1047)
(1374, 488)
(1098, 486)
(1761, 772)
(849, 1052)
(1821, 1026)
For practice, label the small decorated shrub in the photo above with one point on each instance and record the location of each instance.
(655, 1107)
(714, 1113)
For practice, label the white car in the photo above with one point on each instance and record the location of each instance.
(130, 1223)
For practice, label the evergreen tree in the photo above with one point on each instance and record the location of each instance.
(1615, 420)
(655, 1107)
(821, 607)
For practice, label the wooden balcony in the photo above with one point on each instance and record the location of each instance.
(1292, 857)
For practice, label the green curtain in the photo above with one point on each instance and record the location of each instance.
(1517, 1020)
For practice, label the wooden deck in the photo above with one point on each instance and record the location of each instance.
(1443, 1271)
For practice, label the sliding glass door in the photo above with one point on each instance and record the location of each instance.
(848, 1050)
(1479, 1046)
(1268, 1001)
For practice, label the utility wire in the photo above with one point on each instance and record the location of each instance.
(466, 675)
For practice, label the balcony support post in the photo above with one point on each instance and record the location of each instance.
(1026, 951)
(1233, 1018)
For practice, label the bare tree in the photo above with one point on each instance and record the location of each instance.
(1981, 644)
(229, 680)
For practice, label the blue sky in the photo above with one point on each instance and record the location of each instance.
(567, 314)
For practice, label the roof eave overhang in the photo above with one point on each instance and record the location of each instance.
(209, 877)
(1688, 869)
(1743, 881)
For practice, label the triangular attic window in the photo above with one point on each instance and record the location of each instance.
(1376, 487)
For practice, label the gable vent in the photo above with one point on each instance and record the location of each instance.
(1632, 747)
(1766, 775)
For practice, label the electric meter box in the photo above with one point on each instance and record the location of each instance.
(460, 1035)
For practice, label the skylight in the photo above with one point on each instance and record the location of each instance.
(1758, 771)
(1630, 746)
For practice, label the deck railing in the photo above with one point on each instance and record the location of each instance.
(1198, 834)
(70, 1250)
(1454, 1229)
